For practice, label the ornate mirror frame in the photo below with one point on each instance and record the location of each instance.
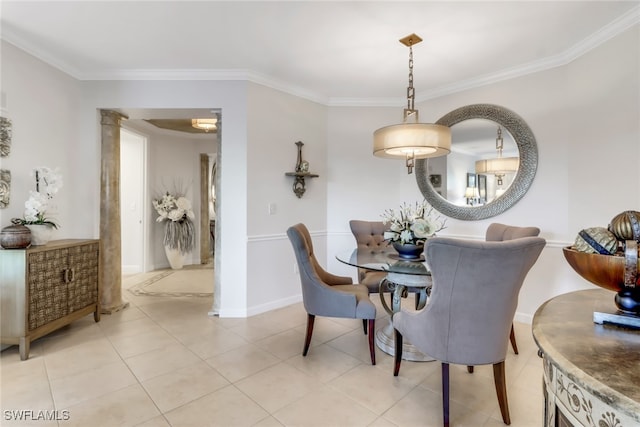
(528, 153)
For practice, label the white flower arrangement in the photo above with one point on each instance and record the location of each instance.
(48, 183)
(412, 224)
(176, 211)
(173, 208)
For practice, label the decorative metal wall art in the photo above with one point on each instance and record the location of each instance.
(5, 187)
(5, 136)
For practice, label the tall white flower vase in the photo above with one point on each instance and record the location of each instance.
(176, 259)
(40, 233)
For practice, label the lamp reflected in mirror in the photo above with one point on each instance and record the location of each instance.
(472, 195)
(498, 166)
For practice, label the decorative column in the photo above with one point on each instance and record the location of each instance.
(110, 231)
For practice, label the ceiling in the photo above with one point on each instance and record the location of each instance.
(336, 53)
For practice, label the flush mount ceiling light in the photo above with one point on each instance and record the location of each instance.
(498, 166)
(204, 124)
(411, 139)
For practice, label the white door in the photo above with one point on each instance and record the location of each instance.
(132, 196)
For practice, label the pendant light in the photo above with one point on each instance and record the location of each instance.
(411, 139)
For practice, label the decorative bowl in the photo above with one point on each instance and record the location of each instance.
(606, 271)
(408, 251)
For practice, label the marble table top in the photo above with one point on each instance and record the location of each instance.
(605, 359)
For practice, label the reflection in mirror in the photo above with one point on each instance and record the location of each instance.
(466, 184)
(474, 153)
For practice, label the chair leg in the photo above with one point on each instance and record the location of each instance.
(372, 340)
(445, 394)
(397, 352)
(307, 341)
(512, 338)
(470, 369)
(501, 391)
(364, 325)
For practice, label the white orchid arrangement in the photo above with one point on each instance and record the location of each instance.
(178, 214)
(412, 224)
(48, 183)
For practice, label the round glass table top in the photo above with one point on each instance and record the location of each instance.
(383, 260)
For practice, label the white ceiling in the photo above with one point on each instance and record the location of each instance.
(336, 53)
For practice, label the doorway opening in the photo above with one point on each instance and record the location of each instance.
(154, 157)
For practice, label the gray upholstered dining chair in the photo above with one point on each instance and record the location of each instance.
(497, 232)
(473, 300)
(328, 295)
(369, 236)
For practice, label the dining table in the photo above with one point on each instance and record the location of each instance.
(404, 276)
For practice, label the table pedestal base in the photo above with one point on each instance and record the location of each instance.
(386, 342)
(400, 285)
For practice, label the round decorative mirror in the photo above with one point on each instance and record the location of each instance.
(460, 190)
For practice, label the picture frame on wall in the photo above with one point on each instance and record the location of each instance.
(5, 136)
(482, 187)
(471, 179)
(5, 188)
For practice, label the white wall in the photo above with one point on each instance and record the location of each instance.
(43, 104)
(276, 122)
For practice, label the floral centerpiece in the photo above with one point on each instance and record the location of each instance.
(176, 212)
(411, 226)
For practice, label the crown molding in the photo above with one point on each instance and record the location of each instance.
(594, 40)
(619, 25)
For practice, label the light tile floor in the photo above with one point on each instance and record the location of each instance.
(164, 362)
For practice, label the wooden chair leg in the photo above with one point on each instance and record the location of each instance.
(372, 340)
(397, 352)
(512, 338)
(470, 369)
(364, 326)
(445, 394)
(501, 390)
(307, 341)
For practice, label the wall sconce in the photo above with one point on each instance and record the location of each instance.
(301, 172)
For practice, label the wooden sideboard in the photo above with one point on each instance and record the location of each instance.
(44, 288)
(591, 371)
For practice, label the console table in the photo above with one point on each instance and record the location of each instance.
(591, 371)
(44, 288)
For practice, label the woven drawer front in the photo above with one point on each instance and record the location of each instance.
(47, 287)
(83, 290)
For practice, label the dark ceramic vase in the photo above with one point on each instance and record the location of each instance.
(15, 237)
(408, 251)
(628, 301)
